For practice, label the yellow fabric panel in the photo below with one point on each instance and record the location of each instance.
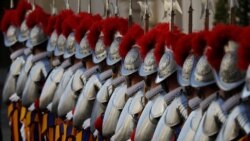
(44, 123)
(57, 134)
(23, 113)
(15, 125)
(10, 109)
(51, 134)
(64, 135)
(28, 118)
(79, 136)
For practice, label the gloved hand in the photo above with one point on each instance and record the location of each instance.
(49, 107)
(69, 115)
(95, 133)
(14, 98)
(32, 107)
(86, 124)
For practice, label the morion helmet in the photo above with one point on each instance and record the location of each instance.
(222, 56)
(185, 59)
(37, 21)
(83, 49)
(129, 50)
(202, 74)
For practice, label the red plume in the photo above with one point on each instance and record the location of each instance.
(217, 39)
(167, 39)
(244, 50)
(183, 48)
(60, 18)
(7, 20)
(162, 27)
(38, 16)
(159, 48)
(84, 26)
(171, 37)
(22, 8)
(51, 24)
(98, 123)
(69, 25)
(110, 26)
(94, 33)
(147, 42)
(122, 26)
(199, 43)
(133, 34)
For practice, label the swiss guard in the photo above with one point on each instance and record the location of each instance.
(11, 26)
(77, 76)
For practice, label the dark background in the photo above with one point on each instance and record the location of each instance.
(4, 52)
(4, 67)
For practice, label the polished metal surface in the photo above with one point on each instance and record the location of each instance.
(208, 125)
(36, 37)
(128, 118)
(10, 37)
(38, 72)
(113, 110)
(237, 120)
(85, 102)
(113, 51)
(11, 80)
(23, 77)
(174, 114)
(68, 97)
(167, 66)
(150, 117)
(132, 62)
(149, 65)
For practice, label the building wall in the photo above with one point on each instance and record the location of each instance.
(157, 8)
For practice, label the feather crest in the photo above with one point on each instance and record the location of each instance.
(217, 39)
(183, 48)
(244, 49)
(133, 34)
(69, 25)
(199, 43)
(94, 33)
(84, 26)
(159, 48)
(147, 42)
(110, 26)
(51, 25)
(60, 18)
(22, 8)
(7, 20)
(37, 17)
(167, 39)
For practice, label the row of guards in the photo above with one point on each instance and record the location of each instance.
(76, 76)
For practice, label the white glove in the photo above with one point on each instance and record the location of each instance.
(86, 124)
(14, 98)
(32, 107)
(23, 133)
(49, 107)
(95, 133)
(69, 115)
(129, 140)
